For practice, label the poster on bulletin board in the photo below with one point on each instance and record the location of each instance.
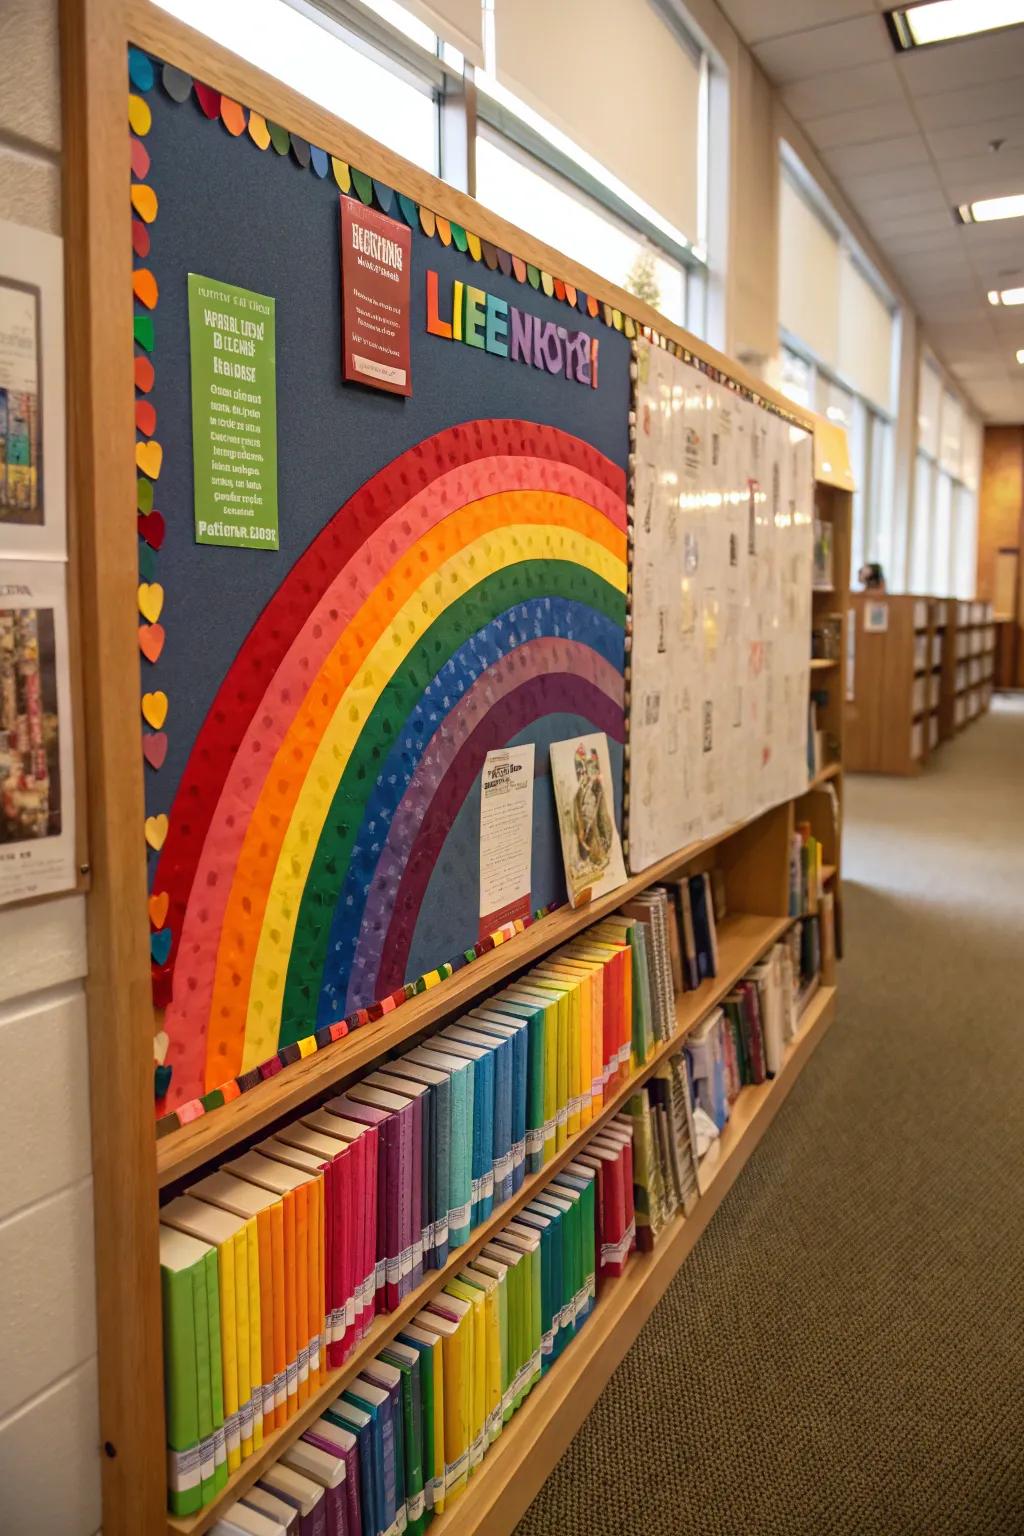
(449, 581)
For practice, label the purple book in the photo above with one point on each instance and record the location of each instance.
(301, 1494)
(398, 1133)
(341, 1442)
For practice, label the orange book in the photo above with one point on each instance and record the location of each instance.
(285, 1181)
(244, 1199)
(312, 1164)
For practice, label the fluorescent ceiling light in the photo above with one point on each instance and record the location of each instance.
(991, 208)
(942, 21)
(1007, 296)
(1020, 355)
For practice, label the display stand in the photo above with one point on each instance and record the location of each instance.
(131, 1166)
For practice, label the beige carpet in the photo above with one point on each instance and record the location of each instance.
(843, 1353)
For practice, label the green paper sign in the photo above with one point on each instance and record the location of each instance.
(234, 414)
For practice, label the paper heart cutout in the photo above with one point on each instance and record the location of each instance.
(145, 417)
(160, 945)
(154, 708)
(149, 457)
(154, 748)
(207, 97)
(147, 563)
(140, 163)
(158, 904)
(144, 374)
(151, 640)
(151, 600)
(144, 494)
(156, 831)
(161, 1080)
(152, 528)
(160, 1047)
(140, 239)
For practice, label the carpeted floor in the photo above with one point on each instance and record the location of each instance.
(843, 1353)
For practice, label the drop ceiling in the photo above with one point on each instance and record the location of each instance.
(907, 137)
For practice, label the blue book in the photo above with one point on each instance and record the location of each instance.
(482, 1192)
(438, 1157)
(348, 1414)
(511, 1027)
(535, 1018)
(376, 1401)
(387, 1376)
(702, 919)
(501, 1129)
(460, 1147)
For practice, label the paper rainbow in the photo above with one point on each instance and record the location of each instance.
(472, 587)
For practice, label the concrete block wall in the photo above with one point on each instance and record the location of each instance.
(49, 1431)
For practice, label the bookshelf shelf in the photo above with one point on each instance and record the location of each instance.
(742, 940)
(822, 663)
(830, 771)
(828, 872)
(514, 1470)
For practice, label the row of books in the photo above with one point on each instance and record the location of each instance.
(407, 1435)
(805, 871)
(275, 1265)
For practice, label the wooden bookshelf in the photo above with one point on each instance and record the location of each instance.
(131, 1166)
(970, 677)
(514, 1471)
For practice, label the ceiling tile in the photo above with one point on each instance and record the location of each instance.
(969, 104)
(887, 120)
(905, 178)
(755, 21)
(971, 61)
(887, 154)
(966, 180)
(840, 45)
(844, 90)
(933, 201)
(973, 139)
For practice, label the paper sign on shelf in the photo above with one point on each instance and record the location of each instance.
(506, 836)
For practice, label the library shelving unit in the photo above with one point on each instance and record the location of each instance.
(133, 1169)
(893, 708)
(970, 674)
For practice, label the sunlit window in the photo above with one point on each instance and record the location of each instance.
(548, 206)
(314, 58)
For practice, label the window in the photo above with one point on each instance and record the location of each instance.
(546, 205)
(797, 378)
(921, 526)
(945, 515)
(313, 54)
(939, 581)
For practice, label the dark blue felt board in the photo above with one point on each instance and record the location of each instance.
(256, 219)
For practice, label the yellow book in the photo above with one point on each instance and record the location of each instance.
(489, 1285)
(476, 1318)
(436, 1471)
(562, 993)
(580, 1033)
(575, 965)
(227, 1234)
(457, 1342)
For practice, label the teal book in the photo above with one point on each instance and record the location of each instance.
(435, 1254)
(550, 1287)
(582, 1179)
(536, 1016)
(346, 1413)
(560, 1212)
(567, 1202)
(517, 1030)
(501, 1049)
(405, 1359)
(431, 1413)
(460, 1162)
(483, 1119)
(374, 1401)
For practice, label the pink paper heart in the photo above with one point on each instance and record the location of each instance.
(154, 748)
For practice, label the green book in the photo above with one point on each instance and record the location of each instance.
(513, 1259)
(428, 1347)
(181, 1257)
(406, 1360)
(220, 1449)
(528, 1242)
(581, 1179)
(204, 1388)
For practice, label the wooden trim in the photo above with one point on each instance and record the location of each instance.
(100, 429)
(516, 1468)
(743, 941)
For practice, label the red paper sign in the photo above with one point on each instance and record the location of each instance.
(376, 255)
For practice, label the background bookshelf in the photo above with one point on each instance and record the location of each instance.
(970, 674)
(134, 1170)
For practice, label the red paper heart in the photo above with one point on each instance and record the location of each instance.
(140, 238)
(151, 640)
(140, 160)
(145, 417)
(207, 97)
(152, 529)
(144, 372)
(154, 748)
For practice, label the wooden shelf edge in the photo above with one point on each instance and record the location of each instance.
(822, 663)
(516, 1468)
(201, 1140)
(742, 941)
(830, 771)
(828, 872)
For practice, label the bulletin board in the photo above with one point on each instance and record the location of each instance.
(450, 578)
(722, 511)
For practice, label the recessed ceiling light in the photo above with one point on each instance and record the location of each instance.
(1020, 355)
(1006, 296)
(991, 208)
(942, 21)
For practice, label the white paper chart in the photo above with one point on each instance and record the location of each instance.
(721, 608)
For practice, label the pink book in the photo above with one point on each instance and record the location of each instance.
(387, 1224)
(360, 1243)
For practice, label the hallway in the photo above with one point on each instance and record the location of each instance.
(843, 1353)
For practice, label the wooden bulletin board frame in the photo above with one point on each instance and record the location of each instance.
(95, 35)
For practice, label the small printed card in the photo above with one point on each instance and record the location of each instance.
(581, 773)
